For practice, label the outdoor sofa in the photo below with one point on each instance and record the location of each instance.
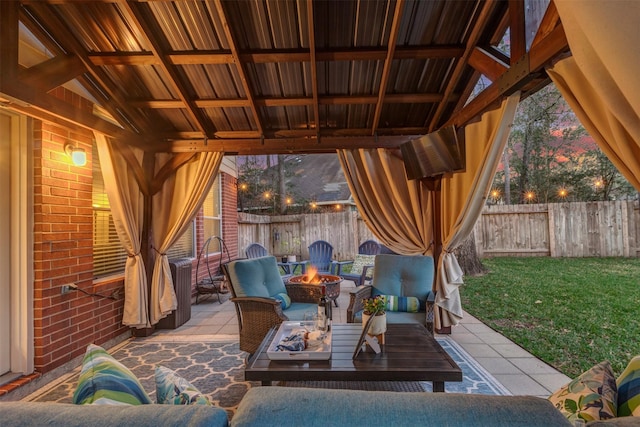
(290, 406)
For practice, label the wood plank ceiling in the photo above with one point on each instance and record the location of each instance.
(274, 76)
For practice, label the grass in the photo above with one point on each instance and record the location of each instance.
(570, 312)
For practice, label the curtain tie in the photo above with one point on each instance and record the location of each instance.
(158, 252)
(133, 255)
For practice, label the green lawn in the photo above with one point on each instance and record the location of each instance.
(570, 312)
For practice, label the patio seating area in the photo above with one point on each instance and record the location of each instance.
(520, 372)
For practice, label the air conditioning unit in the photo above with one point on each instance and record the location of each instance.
(434, 154)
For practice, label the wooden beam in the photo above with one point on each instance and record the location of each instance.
(169, 169)
(549, 22)
(110, 97)
(242, 72)
(55, 72)
(388, 62)
(314, 67)
(141, 17)
(225, 56)
(285, 145)
(485, 63)
(134, 166)
(32, 102)
(517, 25)
(547, 49)
(9, 11)
(456, 74)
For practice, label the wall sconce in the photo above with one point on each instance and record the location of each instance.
(78, 155)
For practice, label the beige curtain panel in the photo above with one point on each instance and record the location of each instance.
(397, 211)
(174, 207)
(463, 197)
(600, 88)
(127, 208)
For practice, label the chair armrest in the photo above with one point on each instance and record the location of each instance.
(336, 266)
(301, 292)
(430, 310)
(256, 316)
(355, 301)
(365, 271)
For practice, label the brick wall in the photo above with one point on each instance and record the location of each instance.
(63, 253)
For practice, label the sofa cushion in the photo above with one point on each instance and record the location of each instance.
(405, 304)
(285, 300)
(292, 406)
(104, 380)
(629, 390)
(172, 389)
(27, 414)
(591, 396)
(256, 277)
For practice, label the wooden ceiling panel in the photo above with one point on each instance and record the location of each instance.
(287, 71)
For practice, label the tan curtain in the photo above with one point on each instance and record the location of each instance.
(127, 207)
(398, 211)
(463, 197)
(174, 207)
(600, 81)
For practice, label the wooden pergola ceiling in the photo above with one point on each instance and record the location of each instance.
(274, 76)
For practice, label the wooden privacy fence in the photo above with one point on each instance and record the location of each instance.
(591, 229)
(292, 234)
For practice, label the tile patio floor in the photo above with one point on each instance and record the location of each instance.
(520, 372)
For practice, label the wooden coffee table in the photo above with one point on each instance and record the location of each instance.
(410, 354)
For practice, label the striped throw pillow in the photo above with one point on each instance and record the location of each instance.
(406, 304)
(105, 381)
(629, 390)
(172, 389)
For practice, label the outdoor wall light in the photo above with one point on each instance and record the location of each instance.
(78, 155)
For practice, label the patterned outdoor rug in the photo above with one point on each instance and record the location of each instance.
(216, 369)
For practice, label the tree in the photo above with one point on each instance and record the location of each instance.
(551, 158)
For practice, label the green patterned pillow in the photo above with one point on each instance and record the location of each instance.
(284, 298)
(629, 390)
(105, 381)
(172, 389)
(359, 263)
(591, 396)
(406, 304)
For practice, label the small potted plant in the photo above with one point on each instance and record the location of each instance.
(375, 307)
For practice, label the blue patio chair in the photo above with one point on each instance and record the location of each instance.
(362, 265)
(369, 247)
(256, 250)
(262, 301)
(406, 281)
(320, 256)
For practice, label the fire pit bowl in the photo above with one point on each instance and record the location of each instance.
(329, 281)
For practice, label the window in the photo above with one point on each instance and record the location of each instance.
(212, 216)
(109, 256)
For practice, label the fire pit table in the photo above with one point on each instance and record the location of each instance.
(329, 281)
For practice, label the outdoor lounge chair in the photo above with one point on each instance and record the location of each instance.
(362, 265)
(256, 250)
(399, 276)
(262, 300)
(320, 256)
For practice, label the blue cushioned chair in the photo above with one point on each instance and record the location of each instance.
(320, 256)
(257, 290)
(400, 276)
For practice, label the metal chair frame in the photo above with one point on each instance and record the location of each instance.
(213, 283)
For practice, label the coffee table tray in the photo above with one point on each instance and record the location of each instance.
(320, 352)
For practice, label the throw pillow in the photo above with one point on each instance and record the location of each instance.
(629, 390)
(172, 389)
(591, 396)
(105, 381)
(284, 298)
(360, 261)
(406, 304)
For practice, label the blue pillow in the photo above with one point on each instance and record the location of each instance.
(285, 300)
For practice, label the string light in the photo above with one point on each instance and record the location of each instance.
(529, 195)
(495, 194)
(562, 192)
